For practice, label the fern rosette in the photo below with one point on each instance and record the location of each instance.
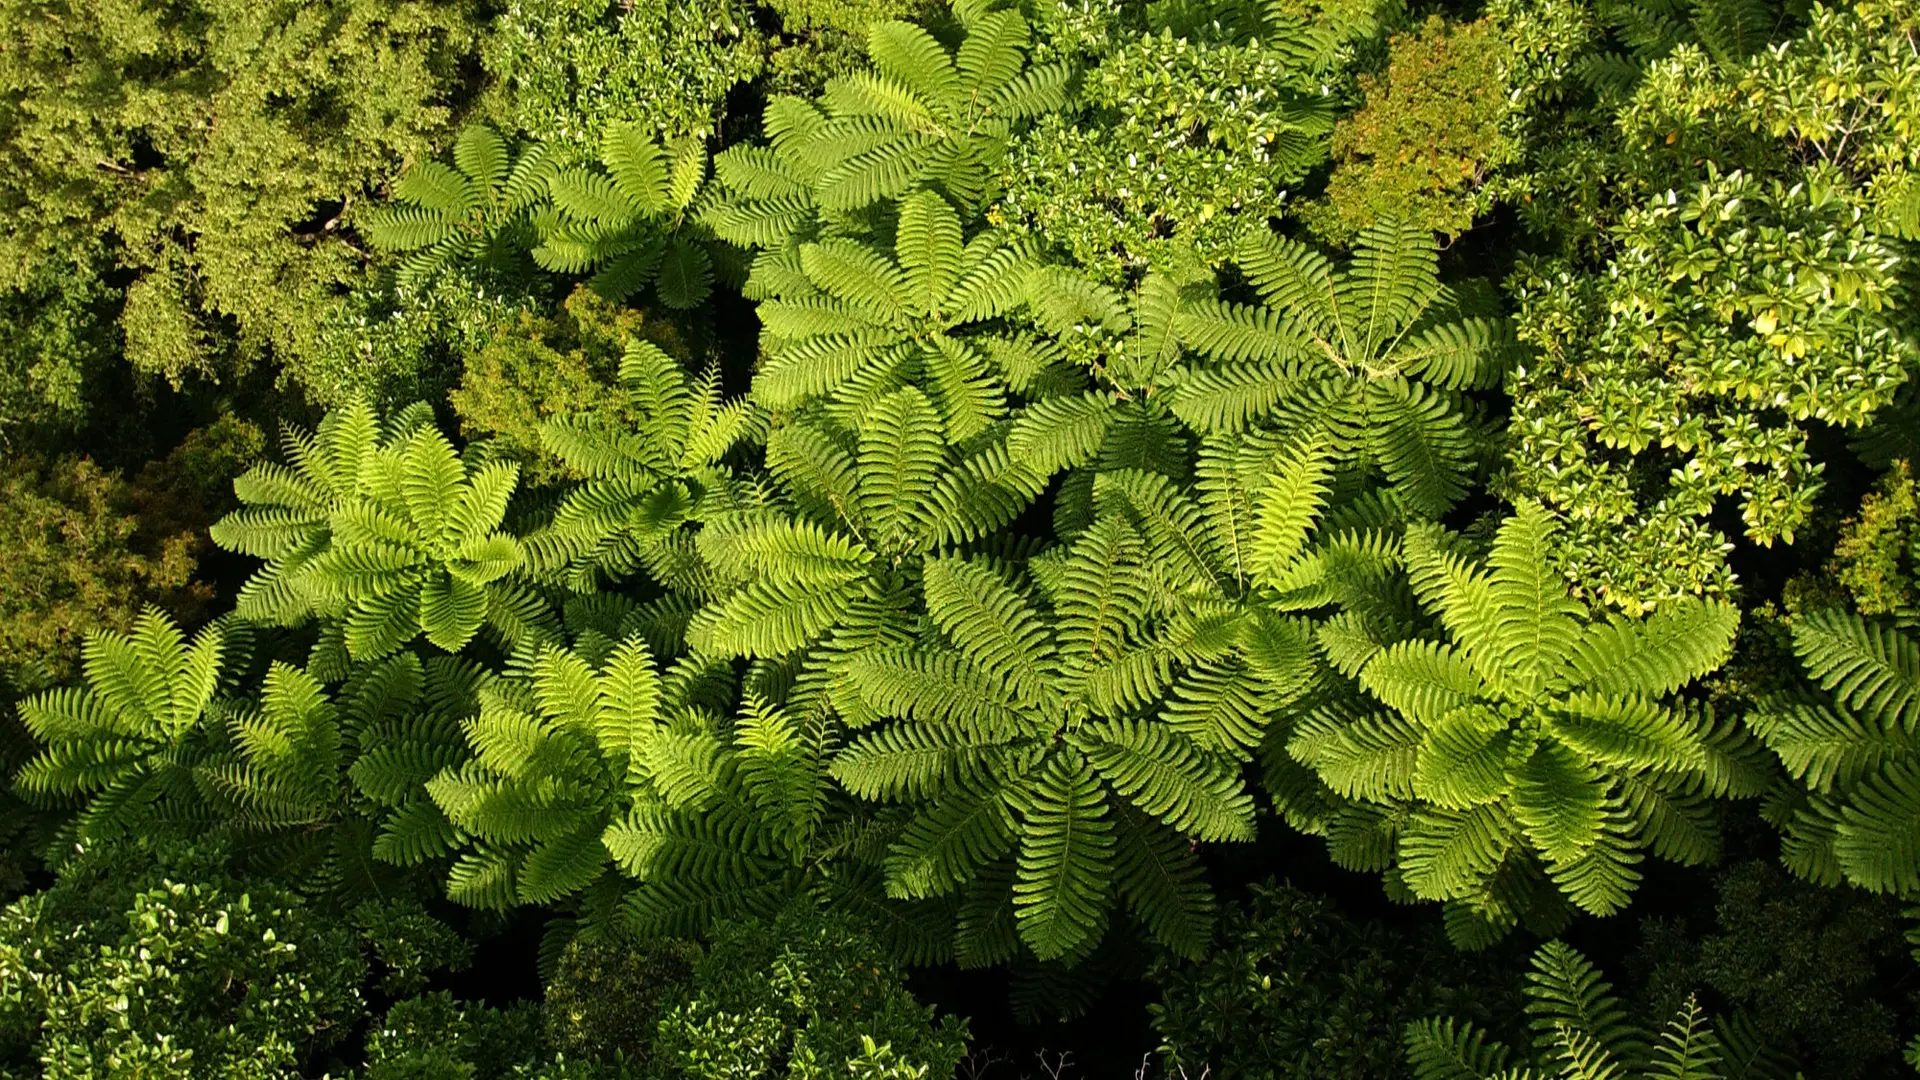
(390, 533)
(640, 798)
(1534, 736)
(929, 116)
(478, 209)
(1372, 359)
(1018, 740)
(129, 739)
(852, 322)
(635, 222)
(830, 567)
(553, 759)
(639, 484)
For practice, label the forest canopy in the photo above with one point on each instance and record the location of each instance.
(900, 539)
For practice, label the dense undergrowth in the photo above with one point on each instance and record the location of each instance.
(1307, 538)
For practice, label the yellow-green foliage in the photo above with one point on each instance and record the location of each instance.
(1879, 550)
(76, 560)
(562, 70)
(55, 339)
(216, 147)
(606, 994)
(538, 368)
(1429, 136)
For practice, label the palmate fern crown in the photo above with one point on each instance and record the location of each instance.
(128, 737)
(388, 531)
(595, 764)
(1371, 358)
(553, 759)
(639, 483)
(1533, 730)
(633, 222)
(928, 116)
(475, 209)
(851, 322)
(1015, 733)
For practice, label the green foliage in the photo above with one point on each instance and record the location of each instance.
(1016, 743)
(475, 210)
(390, 343)
(1179, 148)
(650, 461)
(825, 39)
(1878, 554)
(1534, 740)
(1292, 988)
(601, 762)
(564, 72)
(635, 224)
(1738, 292)
(807, 996)
(59, 340)
(1064, 484)
(552, 762)
(144, 962)
(432, 1037)
(851, 322)
(1852, 745)
(922, 116)
(211, 152)
(128, 740)
(1430, 136)
(383, 527)
(606, 995)
(160, 742)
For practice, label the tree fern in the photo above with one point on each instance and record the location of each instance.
(636, 221)
(1370, 358)
(476, 210)
(128, 739)
(1013, 733)
(389, 532)
(1534, 732)
(860, 322)
(927, 116)
(639, 484)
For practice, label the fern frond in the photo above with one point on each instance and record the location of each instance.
(915, 761)
(1657, 655)
(1358, 755)
(1161, 881)
(1559, 800)
(1464, 759)
(1565, 990)
(944, 845)
(1878, 839)
(1065, 865)
(1445, 1050)
(1449, 854)
(1167, 777)
(1868, 668)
